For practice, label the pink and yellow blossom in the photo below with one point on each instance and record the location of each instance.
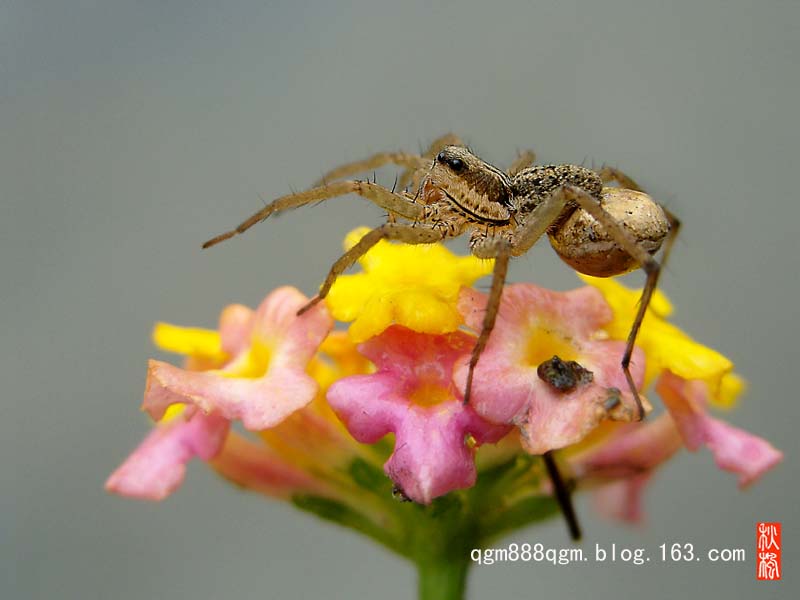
(533, 325)
(265, 381)
(252, 369)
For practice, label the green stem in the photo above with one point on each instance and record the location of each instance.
(443, 579)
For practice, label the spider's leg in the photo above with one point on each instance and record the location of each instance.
(409, 161)
(536, 225)
(650, 266)
(413, 175)
(563, 496)
(674, 227)
(389, 231)
(611, 174)
(392, 202)
(525, 159)
(500, 250)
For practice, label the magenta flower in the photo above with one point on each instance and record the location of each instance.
(533, 326)
(412, 395)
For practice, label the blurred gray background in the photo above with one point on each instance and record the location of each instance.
(132, 131)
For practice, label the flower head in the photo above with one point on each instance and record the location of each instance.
(413, 286)
(318, 406)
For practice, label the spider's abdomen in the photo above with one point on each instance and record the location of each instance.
(587, 247)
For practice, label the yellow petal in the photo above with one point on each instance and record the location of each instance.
(731, 386)
(191, 341)
(664, 344)
(375, 316)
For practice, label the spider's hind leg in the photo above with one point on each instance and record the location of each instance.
(525, 159)
(649, 265)
(608, 174)
(548, 212)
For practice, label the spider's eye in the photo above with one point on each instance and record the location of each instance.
(456, 164)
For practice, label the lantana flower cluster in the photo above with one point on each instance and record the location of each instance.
(348, 423)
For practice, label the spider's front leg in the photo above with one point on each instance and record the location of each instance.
(412, 163)
(498, 248)
(392, 202)
(408, 234)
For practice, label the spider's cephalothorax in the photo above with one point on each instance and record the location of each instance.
(597, 230)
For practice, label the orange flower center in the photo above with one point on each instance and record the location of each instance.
(543, 344)
(430, 394)
(255, 363)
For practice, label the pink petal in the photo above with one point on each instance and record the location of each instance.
(555, 420)
(157, 467)
(632, 449)
(623, 463)
(431, 457)
(623, 500)
(260, 402)
(254, 466)
(257, 403)
(235, 325)
(734, 449)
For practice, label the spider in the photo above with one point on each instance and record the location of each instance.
(597, 230)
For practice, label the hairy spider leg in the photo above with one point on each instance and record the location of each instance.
(501, 252)
(561, 491)
(611, 174)
(409, 234)
(393, 202)
(525, 159)
(411, 162)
